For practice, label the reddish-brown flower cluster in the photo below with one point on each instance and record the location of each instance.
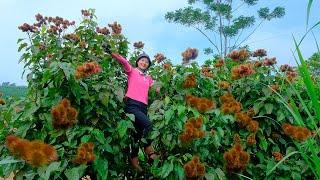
(64, 115)
(229, 105)
(274, 87)
(167, 66)
(251, 139)
(258, 63)
(241, 71)
(277, 156)
(206, 71)
(250, 112)
(58, 24)
(87, 69)
(296, 132)
(86, 13)
(72, 37)
(190, 81)
(138, 45)
(285, 67)
(192, 130)
(219, 63)
(194, 169)
(224, 85)
(85, 153)
(202, 104)
(244, 120)
(116, 28)
(269, 61)
(82, 44)
(236, 159)
(2, 101)
(240, 55)
(103, 30)
(259, 53)
(36, 152)
(236, 138)
(159, 57)
(189, 54)
(27, 28)
(291, 75)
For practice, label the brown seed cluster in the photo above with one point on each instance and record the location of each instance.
(104, 30)
(86, 13)
(55, 24)
(206, 71)
(277, 156)
(138, 45)
(251, 139)
(85, 153)
(36, 153)
(194, 169)
(236, 138)
(275, 87)
(291, 75)
(167, 66)
(87, 69)
(2, 101)
(159, 57)
(63, 115)
(229, 105)
(116, 28)
(242, 70)
(236, 159)
(285, 68)
(269, 61)
(224, 85)
(189, 54)
(192, 130)
(219, 63)
(240, 55)
(244, 120)
(190, 81)
(296, 132)
(257, 64)
(201, 104)
(72, 37)
(259, 53)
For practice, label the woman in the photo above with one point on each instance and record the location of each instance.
(136, 100)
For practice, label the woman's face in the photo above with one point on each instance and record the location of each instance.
(143, 63)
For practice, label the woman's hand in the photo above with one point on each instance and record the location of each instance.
(158, 89)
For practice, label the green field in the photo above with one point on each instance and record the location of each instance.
(16, 91)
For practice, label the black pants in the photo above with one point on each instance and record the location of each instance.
(142, 124)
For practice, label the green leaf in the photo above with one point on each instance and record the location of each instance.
(99, 135)
(23, 45)
(167, 115)
(46, 171)
(263, 143)
(179, 171)
(181, 109)
(101, 165)
(9, 160)
(122, 128)
(167, 168)
(75, 173)
(269, 108)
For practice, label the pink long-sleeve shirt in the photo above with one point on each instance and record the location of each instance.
(138, 83)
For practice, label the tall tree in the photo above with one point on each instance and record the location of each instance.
(222, 18)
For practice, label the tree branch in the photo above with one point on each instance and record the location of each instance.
(208, 39)
(245, 39)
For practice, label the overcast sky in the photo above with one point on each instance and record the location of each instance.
(143, 20)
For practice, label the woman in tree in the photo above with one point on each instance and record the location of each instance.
(136, 102)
